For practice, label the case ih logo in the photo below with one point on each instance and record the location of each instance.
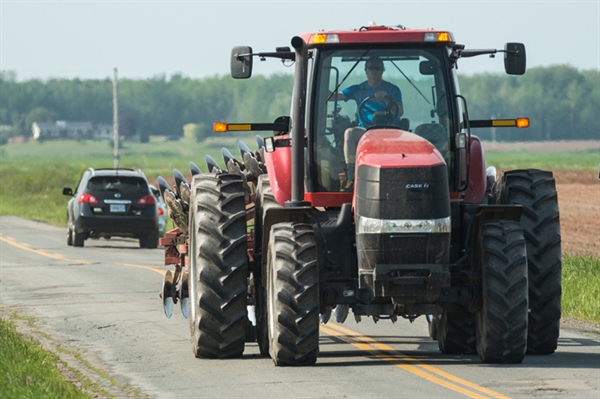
(417, 186)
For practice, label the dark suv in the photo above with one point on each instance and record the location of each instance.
(112, 202)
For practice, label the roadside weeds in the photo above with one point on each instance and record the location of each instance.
(80, 368)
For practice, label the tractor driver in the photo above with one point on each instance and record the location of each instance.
(385, 95)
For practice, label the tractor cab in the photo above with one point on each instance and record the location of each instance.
(342, 99)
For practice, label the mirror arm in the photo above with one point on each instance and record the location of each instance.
(280, 54)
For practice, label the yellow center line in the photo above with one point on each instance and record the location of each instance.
(26, 247)
(384, 351)
(433, 369)
(154, 269)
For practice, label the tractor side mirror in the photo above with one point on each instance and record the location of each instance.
(241, 62)
(514, 58)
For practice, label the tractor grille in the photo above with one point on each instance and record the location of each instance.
(403, 193)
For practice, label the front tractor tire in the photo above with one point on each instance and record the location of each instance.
(265, 200)
(293, 295)
(218, 266)
(536, 191)
(501, 323)
(455, 330)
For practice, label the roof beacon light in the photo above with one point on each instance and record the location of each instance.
(322, 38)
(437, 37)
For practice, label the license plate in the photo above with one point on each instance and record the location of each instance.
(117, 208)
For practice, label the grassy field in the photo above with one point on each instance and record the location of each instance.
(575, 160)
(33, 175)
(581, 288)
(28, 371)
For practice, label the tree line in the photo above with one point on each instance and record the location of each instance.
(562, 102)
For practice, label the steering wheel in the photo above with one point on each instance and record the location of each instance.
(391, 112)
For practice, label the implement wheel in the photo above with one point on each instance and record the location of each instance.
(536, 191)
(502, 321)
(218, 266)
(293, 295)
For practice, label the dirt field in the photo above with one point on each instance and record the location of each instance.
(579, 205)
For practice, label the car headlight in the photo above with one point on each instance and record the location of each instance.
(367, 225)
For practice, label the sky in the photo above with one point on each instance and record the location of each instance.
(144, 39)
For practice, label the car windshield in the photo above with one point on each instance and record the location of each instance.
(121, 184)
(414, 78)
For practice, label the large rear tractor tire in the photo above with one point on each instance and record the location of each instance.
(265, 200)
(502, 321)
(536, 191)
(218, 266)
(293, 295)
(456, 330)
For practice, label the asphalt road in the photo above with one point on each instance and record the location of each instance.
(101, 302)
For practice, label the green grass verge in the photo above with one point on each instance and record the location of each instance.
(574, 160)
(28, 371)
(581, 288)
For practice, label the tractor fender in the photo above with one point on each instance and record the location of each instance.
(279, 168)
(477, 179)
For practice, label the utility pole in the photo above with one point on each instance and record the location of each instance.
(115, 122)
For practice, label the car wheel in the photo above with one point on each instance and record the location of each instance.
(78, 239)
(69, 236)
(150, 241)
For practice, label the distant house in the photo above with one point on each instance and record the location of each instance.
(65, 130)
(45, 131)
(62, 130)
(103, 131)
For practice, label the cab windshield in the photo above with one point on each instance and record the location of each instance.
(412, 86)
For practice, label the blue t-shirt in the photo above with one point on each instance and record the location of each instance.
(361, 91)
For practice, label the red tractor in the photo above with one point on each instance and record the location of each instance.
(372, 197)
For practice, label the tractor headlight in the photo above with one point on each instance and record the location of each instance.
(367, 225)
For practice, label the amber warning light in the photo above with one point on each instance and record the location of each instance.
(522, 122)
(518, 123)
(219, 127)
